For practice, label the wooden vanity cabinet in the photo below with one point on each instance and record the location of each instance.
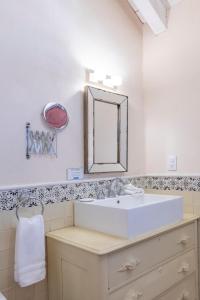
(86, 265)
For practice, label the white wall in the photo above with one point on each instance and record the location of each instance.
(45, 48)
(172, 91)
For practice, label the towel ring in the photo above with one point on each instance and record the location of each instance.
(18, 207)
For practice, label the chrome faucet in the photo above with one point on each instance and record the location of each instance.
(120, 186)
(100, 194)
(116, 188)
(112, 189)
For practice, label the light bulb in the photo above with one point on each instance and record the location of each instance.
(97, 76)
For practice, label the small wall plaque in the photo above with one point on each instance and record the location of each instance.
(75, 173)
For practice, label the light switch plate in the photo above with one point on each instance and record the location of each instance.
(172, 163)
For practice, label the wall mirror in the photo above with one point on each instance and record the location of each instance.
(106, 131)
(55, 115)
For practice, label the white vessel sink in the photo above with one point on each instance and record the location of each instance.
(129, 216)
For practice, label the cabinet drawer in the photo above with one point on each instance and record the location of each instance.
(159, 280)
(186, 290)
(125, 265)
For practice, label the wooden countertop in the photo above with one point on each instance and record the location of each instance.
(100, 244)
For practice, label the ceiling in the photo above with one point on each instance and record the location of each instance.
(153, 12)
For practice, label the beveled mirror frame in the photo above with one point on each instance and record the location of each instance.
(93, 94)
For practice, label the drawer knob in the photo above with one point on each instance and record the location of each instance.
(185, 296)
(137, 295)
(183, 241)
(130, 266)
(184, 268)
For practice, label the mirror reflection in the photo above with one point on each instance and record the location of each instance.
(105, 132)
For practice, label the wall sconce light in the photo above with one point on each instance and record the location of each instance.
(111, 81)
(96, 76)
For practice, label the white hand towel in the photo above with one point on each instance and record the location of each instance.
(136, 192)
(132, 190)
(30, 251)
(2, 297)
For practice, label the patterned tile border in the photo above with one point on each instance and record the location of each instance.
(55, 193)
(73, 191)
(164, 183)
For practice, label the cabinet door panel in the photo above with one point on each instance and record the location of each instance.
(74, 282)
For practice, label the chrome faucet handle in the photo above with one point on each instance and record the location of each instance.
(112, 192)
